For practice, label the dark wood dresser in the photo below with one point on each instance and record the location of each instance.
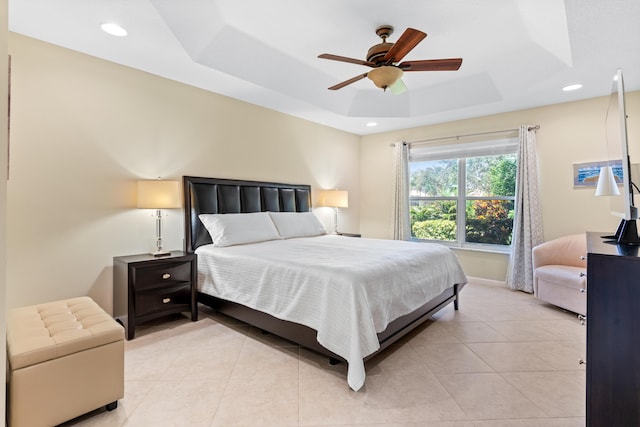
(147, 287)
(613, 333)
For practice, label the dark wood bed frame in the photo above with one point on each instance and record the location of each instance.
(214, 195)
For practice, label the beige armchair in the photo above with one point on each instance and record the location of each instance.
(560, 272)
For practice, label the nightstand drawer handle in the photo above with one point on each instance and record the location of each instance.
(582, 319)
(166, 300)
(165, 276)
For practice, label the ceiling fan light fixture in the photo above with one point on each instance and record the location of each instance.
(385, 60)
(384, 76)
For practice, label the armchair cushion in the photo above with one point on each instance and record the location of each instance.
(562, 275)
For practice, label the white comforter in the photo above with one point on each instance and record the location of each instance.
(347, 289)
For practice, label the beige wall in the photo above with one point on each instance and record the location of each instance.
(569, 133)
(84, 130)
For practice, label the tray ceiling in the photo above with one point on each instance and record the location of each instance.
(517, 54)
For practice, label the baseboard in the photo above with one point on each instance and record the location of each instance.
(487, 282)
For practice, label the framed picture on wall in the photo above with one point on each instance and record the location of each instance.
(586, 174)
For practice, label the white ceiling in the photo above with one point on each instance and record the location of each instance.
(517, 53)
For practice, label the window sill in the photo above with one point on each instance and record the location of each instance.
(483, 250)
(478, 248)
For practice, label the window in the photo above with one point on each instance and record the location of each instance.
(464, 194)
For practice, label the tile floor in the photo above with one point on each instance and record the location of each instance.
(505, 359)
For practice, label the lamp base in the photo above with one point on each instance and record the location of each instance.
(160, 253)
(626, 234)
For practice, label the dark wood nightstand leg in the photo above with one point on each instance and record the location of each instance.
(129, 330)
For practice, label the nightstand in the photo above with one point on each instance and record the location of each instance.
(350, 234)
(147, 287)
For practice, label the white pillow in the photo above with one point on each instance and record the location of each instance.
(238, 229)
(297, 224)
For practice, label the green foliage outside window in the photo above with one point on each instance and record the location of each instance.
(435, 220)
(436, 179)
(491, 222)
(503, 177)
(488, 221)
(436, 229)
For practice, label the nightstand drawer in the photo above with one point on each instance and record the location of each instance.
(163, 299)
(162, 275)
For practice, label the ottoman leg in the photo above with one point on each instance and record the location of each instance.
(111, 406)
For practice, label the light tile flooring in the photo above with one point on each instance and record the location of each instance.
(504, 359)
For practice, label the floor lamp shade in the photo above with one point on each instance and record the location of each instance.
(158, 195)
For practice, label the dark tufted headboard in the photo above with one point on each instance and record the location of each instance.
(216, 195)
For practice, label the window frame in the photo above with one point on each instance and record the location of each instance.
(461, 151)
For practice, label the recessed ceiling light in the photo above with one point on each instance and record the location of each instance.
(113, 29)
(572, 87)
(372, 124)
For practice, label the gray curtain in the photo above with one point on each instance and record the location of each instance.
(527, 227)
(401, 227)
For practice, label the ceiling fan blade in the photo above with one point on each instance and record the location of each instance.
(398, 87)
(345, 59)
(450, 64)
(407, 41)
(348, 82)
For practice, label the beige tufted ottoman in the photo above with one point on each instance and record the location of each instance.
(66, 359)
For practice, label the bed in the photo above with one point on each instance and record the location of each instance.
(344, 297)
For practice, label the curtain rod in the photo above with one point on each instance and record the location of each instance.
(530, 128)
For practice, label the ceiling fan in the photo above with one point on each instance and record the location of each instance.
(385, 59)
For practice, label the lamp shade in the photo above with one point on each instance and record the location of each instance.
(607, 185)
(158, 194)
(335, 198)
(384, 76)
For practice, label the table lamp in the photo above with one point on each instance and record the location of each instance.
(335, 199)
(158, 195)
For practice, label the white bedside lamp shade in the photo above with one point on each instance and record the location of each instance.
(158, 195)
